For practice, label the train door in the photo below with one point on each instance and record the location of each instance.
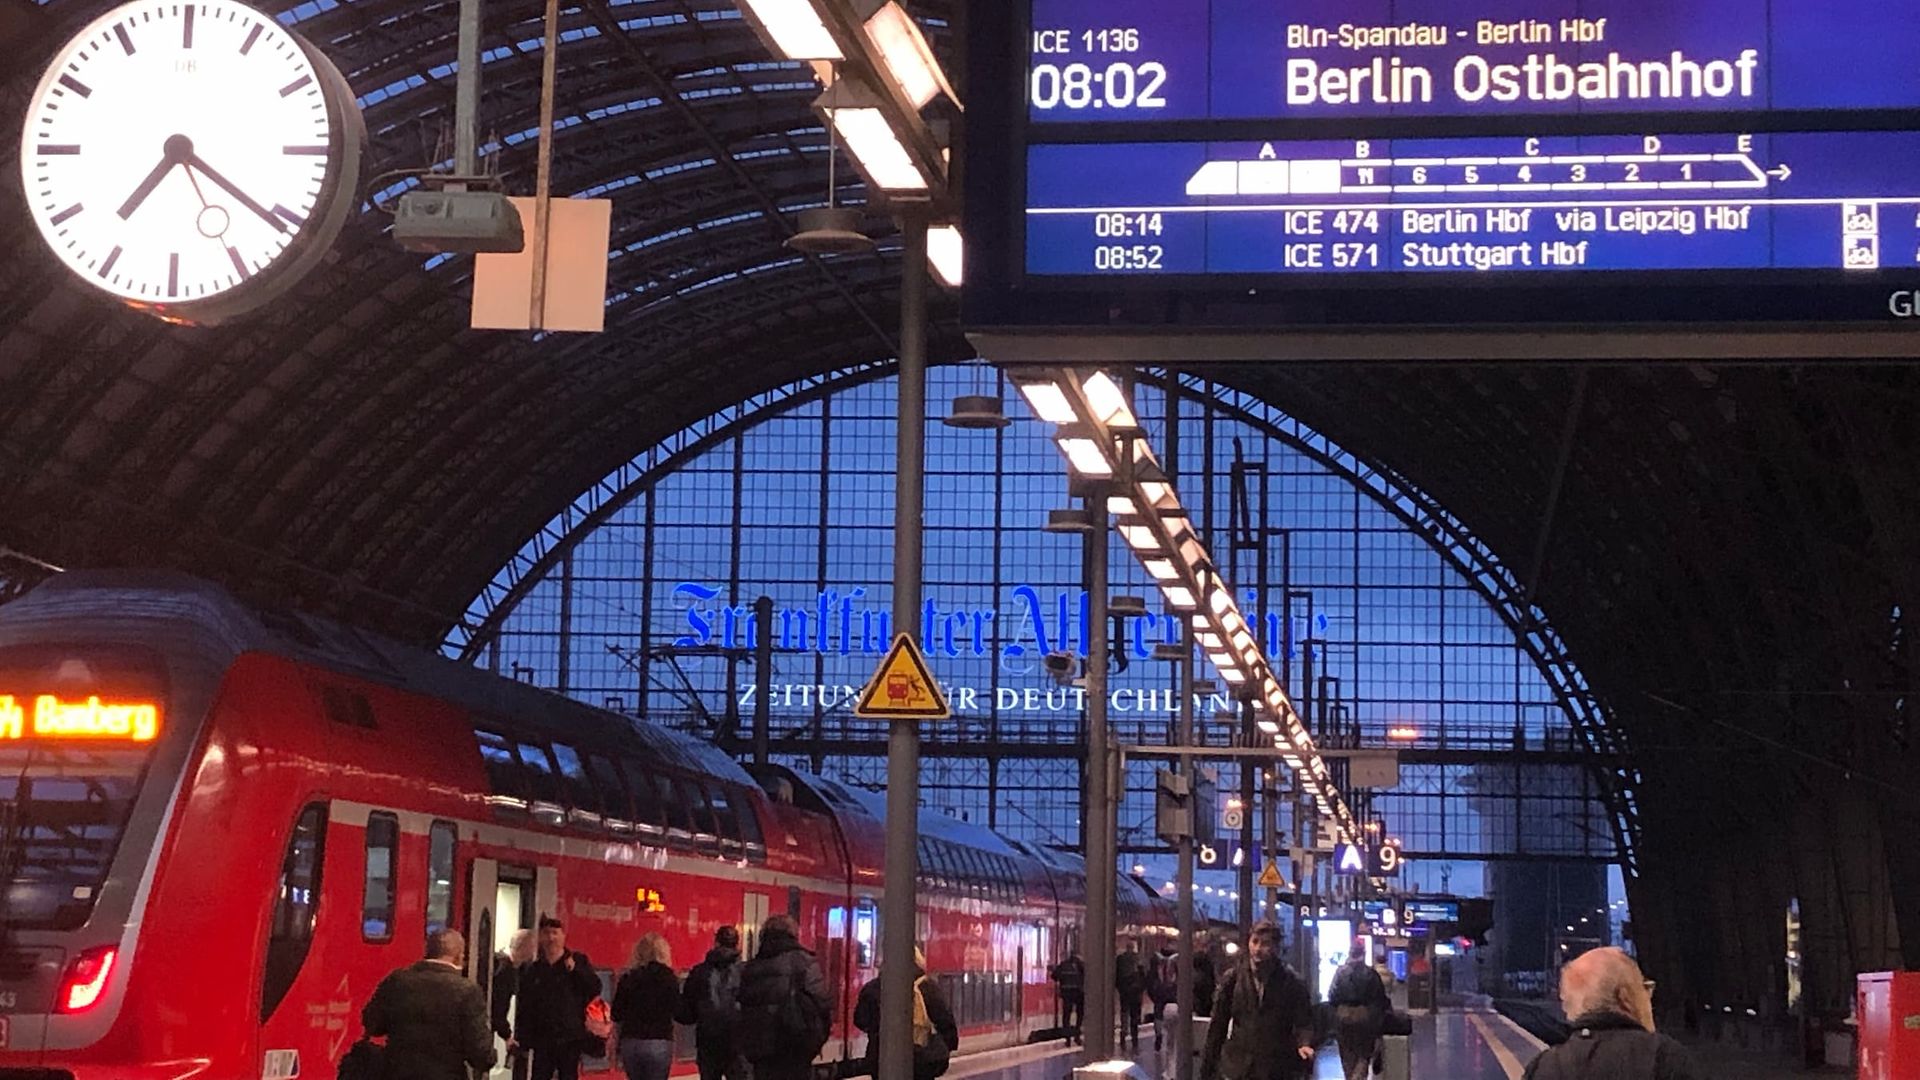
(488, 928)
(753, 913)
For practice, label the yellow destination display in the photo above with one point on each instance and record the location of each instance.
(47, 716)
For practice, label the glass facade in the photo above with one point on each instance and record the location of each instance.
(640, 598)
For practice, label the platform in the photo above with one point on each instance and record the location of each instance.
(1452, 1045)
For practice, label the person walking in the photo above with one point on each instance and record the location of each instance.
(506, 989)
(1613, 1038)
(1163, 989)
(1070, 978)
(644, 1004)
(710, 1001)
(785, 1010)
(1130, 983)
(551, 1017)
(1262, 1025)
(1359, 1001)
(935, 1033)
(433, 1016)
(1203, 982)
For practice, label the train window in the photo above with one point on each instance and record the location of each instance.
(605, 776)
(679, 819)
(290, 934)
(503, 771)
(726, 818)
(648, 814)
(543, 782)
(750, 834)
(706, 833)
(440, 841)
(376, 896)
(582, 799)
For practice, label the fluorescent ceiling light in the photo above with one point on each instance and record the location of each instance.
(1140, 538)
(1109, 403)
(1233, 675)
(1211, 642)
(1158, 493)
(1085, 456)
(873, 143)
(1048, 402)
(905, 54)
(1161, 569)
(1120, 506)
(796, 29)
(1219, 601)
(946, 254)
(1180, 597)
(1222, 660)
(1190, 549)
(1269, 727)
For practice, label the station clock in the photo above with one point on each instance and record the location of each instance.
(191, 159)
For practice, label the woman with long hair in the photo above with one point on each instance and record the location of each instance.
(644, 1003)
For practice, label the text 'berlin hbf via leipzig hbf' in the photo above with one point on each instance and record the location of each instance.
(1538, 76)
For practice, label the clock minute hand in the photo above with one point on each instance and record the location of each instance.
(159, 173)
(193, 162)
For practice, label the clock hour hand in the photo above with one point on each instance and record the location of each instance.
(193, 162)
(146, 187)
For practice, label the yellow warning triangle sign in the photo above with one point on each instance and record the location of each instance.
(903, 688)
(1270, 877)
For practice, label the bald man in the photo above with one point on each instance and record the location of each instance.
(434, 1017)
(1611, 1007)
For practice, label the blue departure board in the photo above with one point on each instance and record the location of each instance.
(1132, 60)
(1790, 201)
(1237, 163)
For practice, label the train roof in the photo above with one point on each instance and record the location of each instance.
(129, 605)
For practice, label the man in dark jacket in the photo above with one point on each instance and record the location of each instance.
(506, 988)
(1613, 1038)
(1262, 1025)
(785, 1010)
(933, 1044)
(710, 1001)
(1360, 1004)
(551, 1019)
(1130, 987)
(434, 1017)
(1070, 976)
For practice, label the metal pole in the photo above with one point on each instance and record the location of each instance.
(763, 681)
(898, 920)
(1101, 937)
(1183, 881)
(543, 170)
(1249, 852)
(466, 93)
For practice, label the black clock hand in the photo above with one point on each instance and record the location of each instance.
(146, 187)
(193, 162)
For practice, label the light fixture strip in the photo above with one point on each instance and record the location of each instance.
(1161, 510)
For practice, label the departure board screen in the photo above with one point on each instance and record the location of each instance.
(1130, 60)
(1287, 161)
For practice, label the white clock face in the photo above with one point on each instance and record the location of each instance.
(175, 149)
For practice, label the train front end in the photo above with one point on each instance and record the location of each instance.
(95, 730)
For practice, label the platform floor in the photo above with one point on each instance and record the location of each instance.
(1453, 1045)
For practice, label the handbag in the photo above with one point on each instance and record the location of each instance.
(599, 1019)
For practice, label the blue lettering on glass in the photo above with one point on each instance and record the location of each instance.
(840, 624)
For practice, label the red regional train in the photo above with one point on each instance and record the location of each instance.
(221, 826)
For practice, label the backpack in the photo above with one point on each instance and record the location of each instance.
(789, 1029)
(366, 1061)
(722, 1006)
(599, 1018)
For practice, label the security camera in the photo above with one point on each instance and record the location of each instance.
(1059, 667)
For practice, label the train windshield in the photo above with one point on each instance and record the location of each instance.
(76, 735)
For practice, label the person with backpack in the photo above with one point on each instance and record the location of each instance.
(1360, 1005)
(1163, 989)
(1613, 1038)
(1070, 976)
(710, 1003)
(935, 1033)
(644, 1004)
(786, 1012)
(1130, 982)
(1262, 1025)
(550, 1021)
